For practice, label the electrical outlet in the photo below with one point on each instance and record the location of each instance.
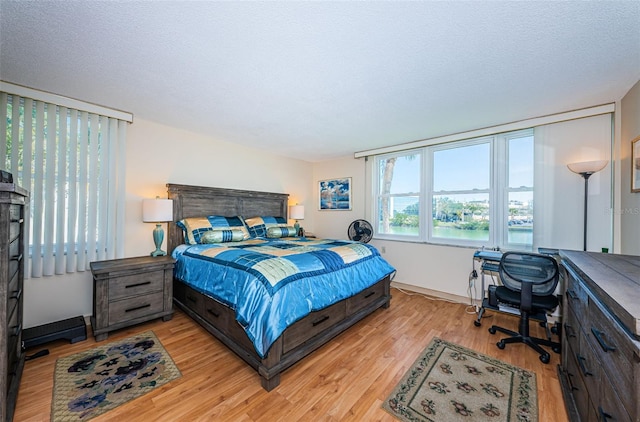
(383, 249)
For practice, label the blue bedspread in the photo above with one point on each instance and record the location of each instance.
(272, 283)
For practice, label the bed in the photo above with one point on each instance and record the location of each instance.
(223, 318)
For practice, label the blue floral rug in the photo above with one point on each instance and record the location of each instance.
(452, 383)
(93, 382)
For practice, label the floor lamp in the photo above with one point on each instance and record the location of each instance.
(586, 169)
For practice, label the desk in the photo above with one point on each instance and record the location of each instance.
(490, 265)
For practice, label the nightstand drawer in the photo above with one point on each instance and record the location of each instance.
(131, 285)
(135, 307)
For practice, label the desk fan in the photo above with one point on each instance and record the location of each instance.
(360, 231)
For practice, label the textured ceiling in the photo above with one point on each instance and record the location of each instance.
(320, 80)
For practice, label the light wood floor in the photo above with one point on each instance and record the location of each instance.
(346, 380)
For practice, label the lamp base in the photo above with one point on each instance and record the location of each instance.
(158, 237)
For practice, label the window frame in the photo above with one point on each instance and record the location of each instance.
(498, 192)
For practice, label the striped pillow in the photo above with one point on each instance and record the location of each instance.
(195, 227)
(276, 232)
(222, 236)
(258, 226)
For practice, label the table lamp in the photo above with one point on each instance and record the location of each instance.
(157, 211)
(296, 212)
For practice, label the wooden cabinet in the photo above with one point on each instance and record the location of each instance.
(129, 291)
(13, 209)
(600, 369)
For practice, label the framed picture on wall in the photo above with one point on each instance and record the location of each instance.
(334, 194)
(635, 165)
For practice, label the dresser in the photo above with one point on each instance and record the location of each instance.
(600, 366)
(129, 291)
(14, 203)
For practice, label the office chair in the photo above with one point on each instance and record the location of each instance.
(528, 283)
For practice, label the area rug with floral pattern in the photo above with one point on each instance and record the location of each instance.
(90, 383)
(452, 383)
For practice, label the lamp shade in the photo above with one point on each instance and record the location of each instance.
(157, 210)
(589, 167)
(296, 212)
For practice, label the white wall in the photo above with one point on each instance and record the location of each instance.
(629, 208)
(333, 224)
(157, 155)
(559, 193)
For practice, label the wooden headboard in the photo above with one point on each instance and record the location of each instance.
(201, 201)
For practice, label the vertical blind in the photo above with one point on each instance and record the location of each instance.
(72, 162)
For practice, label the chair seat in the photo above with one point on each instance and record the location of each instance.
(545, 303)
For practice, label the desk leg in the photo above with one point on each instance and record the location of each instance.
(477, 322)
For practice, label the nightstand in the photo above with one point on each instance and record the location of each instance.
(130, 291)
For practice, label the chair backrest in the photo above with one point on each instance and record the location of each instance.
(539, 270)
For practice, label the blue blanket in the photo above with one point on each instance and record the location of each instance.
(272, 283)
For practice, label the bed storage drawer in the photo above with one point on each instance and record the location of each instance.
(215, 313)
(365, 298)
(315, 323)
(191, 299)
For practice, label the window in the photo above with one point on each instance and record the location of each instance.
(477, 192)
(72, 163)
(461, 183)
(399, 194)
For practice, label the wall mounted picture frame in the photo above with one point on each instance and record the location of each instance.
(635, 165)
(334, 194)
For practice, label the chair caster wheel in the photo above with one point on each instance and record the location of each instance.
(545, 358)
(500, 344)
(556, 349)
(477, 323)
(492, 330)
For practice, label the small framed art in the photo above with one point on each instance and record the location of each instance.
(334, 194)
(635, 165)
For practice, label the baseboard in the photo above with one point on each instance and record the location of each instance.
(432, 293)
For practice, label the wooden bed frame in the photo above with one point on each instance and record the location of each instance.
(300, 339)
